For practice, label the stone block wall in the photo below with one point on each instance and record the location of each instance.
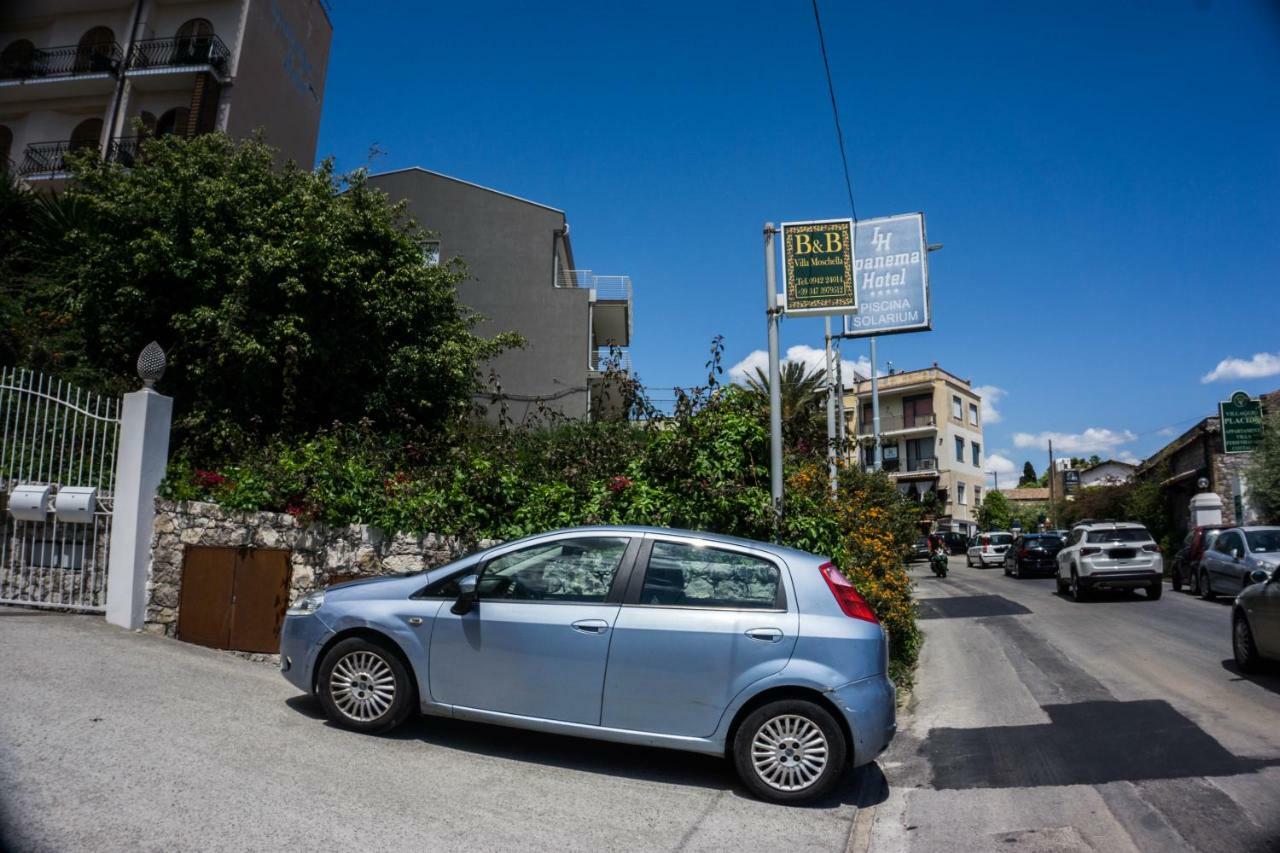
(321, 555)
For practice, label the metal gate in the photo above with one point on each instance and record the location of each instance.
(53, 547)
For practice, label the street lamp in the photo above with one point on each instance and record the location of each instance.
(995, 475)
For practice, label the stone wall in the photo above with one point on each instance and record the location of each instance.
(321, 555)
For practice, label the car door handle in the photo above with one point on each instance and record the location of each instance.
(766, 635)
(590, 626)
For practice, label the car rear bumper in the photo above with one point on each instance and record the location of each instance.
(1120, 580)
(991, 559)
(870, 708)
(1044, 567)
(301, 639)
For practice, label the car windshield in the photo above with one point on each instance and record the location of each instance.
(1122, 534)
(1000, 538)
(1042, 541)
(1263, 541)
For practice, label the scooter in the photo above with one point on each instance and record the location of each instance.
(938, 562)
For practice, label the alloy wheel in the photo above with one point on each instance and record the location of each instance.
(363, 686)
(789, 752)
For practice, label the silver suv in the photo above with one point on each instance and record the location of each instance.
(1110, 555)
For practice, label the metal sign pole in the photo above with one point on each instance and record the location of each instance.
(840, 424)
(775, 381)
(831, 412)
(875, 410)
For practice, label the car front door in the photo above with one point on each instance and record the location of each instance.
(1264, 617)
(700, 622)
(1219, 559)
(537, 640)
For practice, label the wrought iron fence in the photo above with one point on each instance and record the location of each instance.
(67, 61)
(180, 51)
(56, 435)
(50, 158)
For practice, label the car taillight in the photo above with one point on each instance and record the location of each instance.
(1085, 552)
(1153, 548)
(847, 595)
(1023, 552)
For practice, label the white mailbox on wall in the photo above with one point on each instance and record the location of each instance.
(30, 501)
(75, 504)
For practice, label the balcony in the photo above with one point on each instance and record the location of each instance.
(59, 72)
(617, 361)
(149, 58)
(610, 305)
(917, 469)
(897, 423)
(46, 161)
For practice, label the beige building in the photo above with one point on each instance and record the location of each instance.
(82, 73)
(931, 439)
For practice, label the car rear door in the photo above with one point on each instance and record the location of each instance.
(1217, 559)
(700, 622)
(537, 642)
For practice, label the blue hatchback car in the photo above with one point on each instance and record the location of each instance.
(765, 655)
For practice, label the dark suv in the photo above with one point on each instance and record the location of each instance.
(1033, 553)
(1187, 561)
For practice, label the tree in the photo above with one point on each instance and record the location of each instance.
(285, 299)
(1028, 477)
(995, 512)
(803, 393)
(1263, 473)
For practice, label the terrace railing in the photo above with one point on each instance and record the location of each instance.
(67, 61)
(179, 52)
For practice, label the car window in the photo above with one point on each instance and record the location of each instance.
(1123, 534)
(1000, 538)
(1225, 543)
(680, 575)
(1210, 537)
(1263, 541)
(575, 570)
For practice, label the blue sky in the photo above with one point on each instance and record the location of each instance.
(1105, 177)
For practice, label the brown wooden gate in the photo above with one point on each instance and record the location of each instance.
(234, 598)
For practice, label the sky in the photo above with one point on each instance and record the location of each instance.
(1104, 178)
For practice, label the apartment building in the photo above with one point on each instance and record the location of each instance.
(523, 277)
(930, 438)
(80, 74)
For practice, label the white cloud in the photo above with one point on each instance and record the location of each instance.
(811, 357)
(991, 395)
(1127, 456)
(1002, 466)
(1092, 440)
(1166, 432)
(1262, 364)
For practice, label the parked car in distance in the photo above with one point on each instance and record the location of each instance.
(920, 550)
(1033, 553)
(956, 543)
(761, 654)
(1255, 621)
(1110, 555)
(987, 549)
(1185, 567)
(1236, 554)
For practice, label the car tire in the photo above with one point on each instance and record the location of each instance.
(1243, 646)
(775, 747)
(1078, 591)
(1062, 587)
(968, 560)
(1175, 579)
(1205, 588)
(365, 687)
(1155, 590)
(1006, 570)
(1017, 570)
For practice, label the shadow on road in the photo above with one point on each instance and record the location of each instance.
(863, 787)
(1269, 678)
(969, 607)
(1085, 743)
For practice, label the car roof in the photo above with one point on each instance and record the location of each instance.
(1112, 525)
(634, 529)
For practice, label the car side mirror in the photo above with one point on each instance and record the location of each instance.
(468, 598)
(1259, 576)
(1235, 553)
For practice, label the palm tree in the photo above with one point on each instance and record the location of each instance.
(803, 394)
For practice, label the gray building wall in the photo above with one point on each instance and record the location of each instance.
(510, 247)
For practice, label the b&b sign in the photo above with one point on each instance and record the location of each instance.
(818, 262)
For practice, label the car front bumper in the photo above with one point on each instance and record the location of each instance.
(1120, 580)
(870, 708)
(301, 639)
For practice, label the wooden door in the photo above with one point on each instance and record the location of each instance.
(234, 598)
(204, 605)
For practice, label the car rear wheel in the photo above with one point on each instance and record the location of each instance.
(1062, 585)
(1176, 578)
(789, 751)
(1078, 592)
(1205, 588)
(968, 560)
(1017, 569)
(1154, 591)
(1242, 644)
(363, 686)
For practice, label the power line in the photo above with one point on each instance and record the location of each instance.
(835, 111)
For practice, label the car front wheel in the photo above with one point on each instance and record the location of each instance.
(363, 686)
(789, 751)
(1205, 588)
(1242, 644)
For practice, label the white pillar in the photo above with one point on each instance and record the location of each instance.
(140, 466)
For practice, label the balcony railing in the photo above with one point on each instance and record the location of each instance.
(68, 61)
(892, 422)
(618, 360)
(609, 288)
(49, 159)
(179, 52)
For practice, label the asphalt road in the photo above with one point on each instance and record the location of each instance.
(111, 740)
(1115, 725)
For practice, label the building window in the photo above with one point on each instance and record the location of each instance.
(431, 252)
(87, 134)
(959, 449)
(977, 495)
(18, 60)
(977, 453)
(920, 454)
(973, 413)
(173, 121)
(957, 408)
(960, 496)
(194, 40)
(917, 411)
(94, 52)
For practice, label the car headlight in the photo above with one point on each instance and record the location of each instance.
(308, 604)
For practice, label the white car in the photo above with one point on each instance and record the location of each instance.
(988, 549)
(1110, 555)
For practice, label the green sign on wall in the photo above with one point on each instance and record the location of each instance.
(1241, 419)
(818, 262)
